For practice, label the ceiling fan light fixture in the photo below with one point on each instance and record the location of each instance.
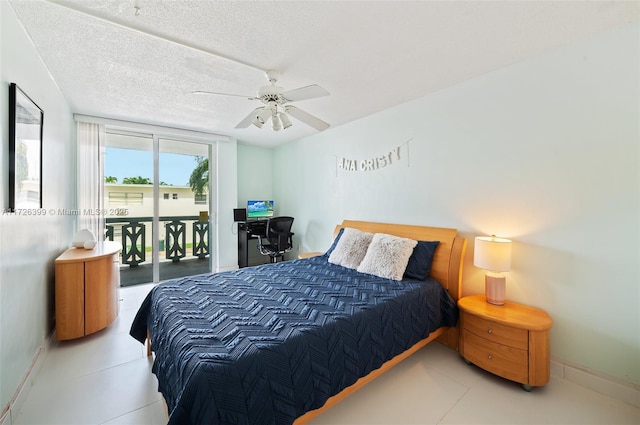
(284, 119)
(261, 117)
(276, 105)
(277, 125)
(256, 122)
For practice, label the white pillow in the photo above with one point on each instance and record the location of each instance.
(387, 256)
(351, 248)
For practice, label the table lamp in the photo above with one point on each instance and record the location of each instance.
(494, 255)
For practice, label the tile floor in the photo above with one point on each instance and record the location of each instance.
(106, 379)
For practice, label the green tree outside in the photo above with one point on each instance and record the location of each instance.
(140, 180)
(137, 180)
(199, 179)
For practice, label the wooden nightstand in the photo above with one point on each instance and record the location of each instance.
(511, 341)
(309, 254)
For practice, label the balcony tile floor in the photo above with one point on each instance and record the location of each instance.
(168, 270)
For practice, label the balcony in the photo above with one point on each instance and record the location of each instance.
(184, 247)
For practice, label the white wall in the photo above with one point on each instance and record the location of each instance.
(226, 170)
(254, 174)
(29, 244)
(255, 182)
(545, 152)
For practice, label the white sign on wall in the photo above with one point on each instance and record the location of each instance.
(392, 157)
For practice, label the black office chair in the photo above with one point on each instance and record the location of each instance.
(278, 238)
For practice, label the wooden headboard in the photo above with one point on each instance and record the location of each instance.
(447, 261)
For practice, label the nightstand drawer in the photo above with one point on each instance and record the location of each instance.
(508, 362)
(492, 331)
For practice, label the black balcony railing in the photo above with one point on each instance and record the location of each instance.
(134, 237)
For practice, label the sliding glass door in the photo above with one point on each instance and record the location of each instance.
(157, 200)
(129, 203)
(183, 208)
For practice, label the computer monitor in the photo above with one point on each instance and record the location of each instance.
(239, 214)
(259, 209)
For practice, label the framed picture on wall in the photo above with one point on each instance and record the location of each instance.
(25, 151)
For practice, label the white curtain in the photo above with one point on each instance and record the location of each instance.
(91, 177)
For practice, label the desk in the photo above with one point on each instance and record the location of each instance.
(248, 230)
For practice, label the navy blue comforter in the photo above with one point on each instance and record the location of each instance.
(263, 345)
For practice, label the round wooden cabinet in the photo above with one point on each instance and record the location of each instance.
(87, 284)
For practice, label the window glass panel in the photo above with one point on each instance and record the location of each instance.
(184, 226)
(128, 189)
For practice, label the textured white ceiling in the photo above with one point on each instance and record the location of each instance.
(370, 55)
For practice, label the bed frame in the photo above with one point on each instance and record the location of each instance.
(446, 268)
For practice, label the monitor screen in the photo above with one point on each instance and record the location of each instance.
(259, 209)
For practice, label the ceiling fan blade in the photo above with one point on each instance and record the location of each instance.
(307, 118)
(304, 93)
(249, 118)
(223, 94)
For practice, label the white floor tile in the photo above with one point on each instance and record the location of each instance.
(411, 394)
(497, 401)
(154, 414)
(93, 398)
(102, 350)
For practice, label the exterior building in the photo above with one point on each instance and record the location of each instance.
(126, 204)
(136, 200)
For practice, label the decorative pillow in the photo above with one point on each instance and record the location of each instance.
(335, 242)
(351, 248)
(387, 256)
(420, 261)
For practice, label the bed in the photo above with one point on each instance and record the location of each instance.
(280, 343)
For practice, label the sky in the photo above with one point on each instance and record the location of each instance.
(175, 169)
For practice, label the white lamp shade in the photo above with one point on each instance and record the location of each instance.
(284, 119)
(493, 254)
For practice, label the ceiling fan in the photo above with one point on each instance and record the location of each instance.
(276, 105)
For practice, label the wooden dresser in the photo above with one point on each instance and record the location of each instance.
(511, 340)
(87, 284)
